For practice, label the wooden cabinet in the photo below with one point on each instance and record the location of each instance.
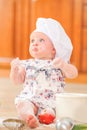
(18, 17)
(14, 28)
(21, 28)
(6, 28)
(80, 34)
(84, 37)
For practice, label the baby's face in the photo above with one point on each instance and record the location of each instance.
(41, 46)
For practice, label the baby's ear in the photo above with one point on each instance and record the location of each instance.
(54, 51)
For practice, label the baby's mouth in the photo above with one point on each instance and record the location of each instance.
(34, 49)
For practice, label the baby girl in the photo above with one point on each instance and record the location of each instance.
(43, 75)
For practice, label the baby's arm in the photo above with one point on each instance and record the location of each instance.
(17, 73)
(69, 70)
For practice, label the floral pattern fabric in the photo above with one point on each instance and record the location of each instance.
(42, 83)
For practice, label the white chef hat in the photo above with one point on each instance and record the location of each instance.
(57, 35)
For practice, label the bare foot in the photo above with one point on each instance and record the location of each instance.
(32, 121)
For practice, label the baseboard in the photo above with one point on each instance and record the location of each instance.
(82, 78)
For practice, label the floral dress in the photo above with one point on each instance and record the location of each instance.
(42, 83)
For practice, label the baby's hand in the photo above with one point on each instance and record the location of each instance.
(15, 62)
(17, 73)
(58, 63)
(15, 65)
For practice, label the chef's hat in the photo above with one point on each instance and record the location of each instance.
(57, 35)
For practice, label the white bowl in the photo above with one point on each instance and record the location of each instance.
(73, 105)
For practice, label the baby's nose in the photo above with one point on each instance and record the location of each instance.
(35, 43)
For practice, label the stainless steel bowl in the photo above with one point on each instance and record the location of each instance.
(65, 123)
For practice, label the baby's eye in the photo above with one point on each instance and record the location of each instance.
(41, 40)
(32, 41)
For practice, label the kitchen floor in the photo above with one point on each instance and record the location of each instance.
(8, 91)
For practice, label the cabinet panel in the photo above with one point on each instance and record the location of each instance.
(6, 28)
(84, 61)
(22, 28)
(14, 28)
(60, 10)
(85, 15)
(76, 35)
(84, 39)
(85, 1)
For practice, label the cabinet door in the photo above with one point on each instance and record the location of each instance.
(80, 34)
(14, 28)
(84, 37)
(60, 10)
(6, 28)
(22, 28)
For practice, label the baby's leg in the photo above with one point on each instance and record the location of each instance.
(27, 112)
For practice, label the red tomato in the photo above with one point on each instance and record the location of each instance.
(46, 118)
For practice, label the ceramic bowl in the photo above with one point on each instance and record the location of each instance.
(73, 105)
